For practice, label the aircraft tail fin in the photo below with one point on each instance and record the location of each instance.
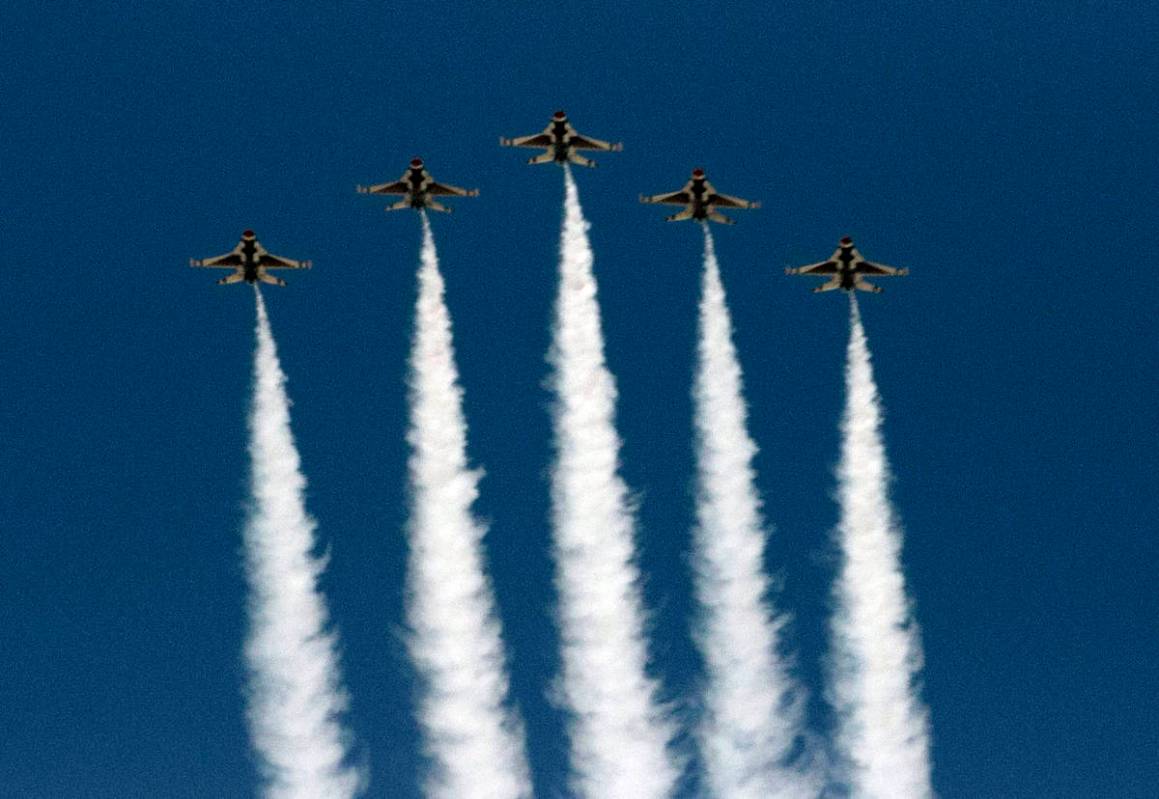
(835, 283)
(236, 277)
(545, 158)
(433, 205)
(576, 158)
(680, 217)
(865, 285)
(399, 206)
(720, 218)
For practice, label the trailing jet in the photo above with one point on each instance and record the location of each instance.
(250, 262)
(700, 201)
(848, 270)
(561, 142)
(418, 189)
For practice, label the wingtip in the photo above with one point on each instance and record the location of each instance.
(361, 190)
(755, 204)
(618, 147)
(903, 271)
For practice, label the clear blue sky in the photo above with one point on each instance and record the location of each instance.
(1005, 155)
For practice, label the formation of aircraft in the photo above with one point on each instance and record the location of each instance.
(845, 269)
(560, 142)
(700, 200)
(251, 262)
(418, 189)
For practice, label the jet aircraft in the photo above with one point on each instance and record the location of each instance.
(418, 189)
(846, 270)
(561, 141)
(250, 262)
(700, 200)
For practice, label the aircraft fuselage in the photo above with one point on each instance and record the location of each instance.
(561, 140)
(418, 180)
(249, 262)
(845, 269)
(697, 196)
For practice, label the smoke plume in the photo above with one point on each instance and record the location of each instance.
(751, 717)
(475, 742)
(884, 729)
(296, 699)
(619, 735)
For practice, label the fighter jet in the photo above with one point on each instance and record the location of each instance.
(848, 270)
(700, 201)
(418, 189)
(561, 142)
(250, 262)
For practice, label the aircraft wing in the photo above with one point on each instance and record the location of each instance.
(270, 261)
(870, 268)
(231, 260)
(398, 187)
(437, 189)
(580, 142)
(537, 140)
(822, 268)
(725, 201)
(682, 197)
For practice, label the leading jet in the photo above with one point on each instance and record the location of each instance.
(250, 260)
(846, 270)
(700, 200)
(418, 189)
(561, 142)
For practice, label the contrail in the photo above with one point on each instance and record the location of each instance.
(474, 741)
(295, 693)
(619, 735)
(884, 726)
(753, 716)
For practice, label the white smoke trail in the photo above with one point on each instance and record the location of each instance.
(296, 699)
(474, 741)
(884, 726)
(752, 718)
(619, 736)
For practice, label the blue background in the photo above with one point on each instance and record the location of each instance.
(1003, 152)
